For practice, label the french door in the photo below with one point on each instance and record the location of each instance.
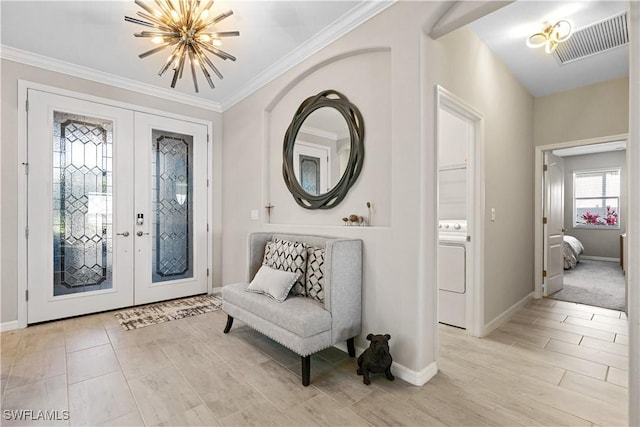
(117, 207)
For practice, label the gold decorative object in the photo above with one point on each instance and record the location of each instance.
(551, 36)
(184, 25)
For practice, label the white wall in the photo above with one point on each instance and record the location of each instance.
(11, 73)
(601, 109)
(467, 68)
(394, 86)
(597, 242)
(377, 67)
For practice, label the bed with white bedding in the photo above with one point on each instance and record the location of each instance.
(572, 249)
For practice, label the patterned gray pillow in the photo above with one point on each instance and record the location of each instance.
(268, 253)
(288, 256)
(314, 282)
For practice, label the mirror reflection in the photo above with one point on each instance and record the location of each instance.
(321, 151)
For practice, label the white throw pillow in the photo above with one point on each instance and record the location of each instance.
(272, 282)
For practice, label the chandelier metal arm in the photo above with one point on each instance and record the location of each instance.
(193, 70)
(144, 6)
(155, 20)
(170, 59)
(223, 34)
(140, 22)
(156, 50)
(220, 53)
(207, 61)
(215, 20)
(204, 69)
(166, 10)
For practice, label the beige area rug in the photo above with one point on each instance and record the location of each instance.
(152, 314)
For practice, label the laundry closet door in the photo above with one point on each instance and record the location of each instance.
(170, 208)
(80, 205)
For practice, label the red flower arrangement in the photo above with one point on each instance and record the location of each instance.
(611, 217)
(590, 218)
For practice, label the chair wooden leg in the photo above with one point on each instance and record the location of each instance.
(306, 370)
(227, 328)
(351, 347)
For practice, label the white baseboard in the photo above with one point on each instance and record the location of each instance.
(9, 326)
(505, 316)
(599, 258)
(417, 378)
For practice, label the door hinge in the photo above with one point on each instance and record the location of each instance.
(26, 167)
(207, 272)
(207, 228)
(544, 219)
(544, 273)
(26, 294)
(207, 182)
(545, 168)
(26, 105)
(207, 138)
(26, 232)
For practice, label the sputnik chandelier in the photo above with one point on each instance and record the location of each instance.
(184, 26)
(551, 36)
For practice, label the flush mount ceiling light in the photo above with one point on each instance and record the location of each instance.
(184, 26)
(551, 36)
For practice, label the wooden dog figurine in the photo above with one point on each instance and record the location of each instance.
(376, 358)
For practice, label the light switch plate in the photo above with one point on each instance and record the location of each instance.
(493, 214)
(254, 213)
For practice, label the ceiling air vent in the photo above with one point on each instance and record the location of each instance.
(593, 39)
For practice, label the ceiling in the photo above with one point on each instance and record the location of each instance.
(84, 36)
(505, 32)
(90, 39)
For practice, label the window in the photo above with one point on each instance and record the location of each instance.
(596, 198)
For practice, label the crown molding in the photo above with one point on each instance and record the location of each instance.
(319, 132)
(58, 66)
(357, 16)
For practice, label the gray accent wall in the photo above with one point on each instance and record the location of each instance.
(597, 242)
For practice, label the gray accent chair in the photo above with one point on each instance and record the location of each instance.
(303, 324)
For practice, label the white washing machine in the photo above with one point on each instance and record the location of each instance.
(452, 272)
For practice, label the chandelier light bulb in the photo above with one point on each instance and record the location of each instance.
(184, 26)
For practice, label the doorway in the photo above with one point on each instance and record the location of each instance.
(582, 185)
(460, 207)
(116, 207)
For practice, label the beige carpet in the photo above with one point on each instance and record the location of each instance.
(591, 282)
(152, 314)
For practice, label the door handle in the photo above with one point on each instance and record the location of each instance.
(125, 234)
(564, 229)
(140, 234)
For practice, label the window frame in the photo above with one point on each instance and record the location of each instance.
(603, 171)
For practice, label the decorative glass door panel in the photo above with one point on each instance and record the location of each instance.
(310, 174)
(117, 207)
(82, 204)
(80, 207)
(172, 229)
(171, 207)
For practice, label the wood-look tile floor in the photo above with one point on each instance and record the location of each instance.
(554, 363)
